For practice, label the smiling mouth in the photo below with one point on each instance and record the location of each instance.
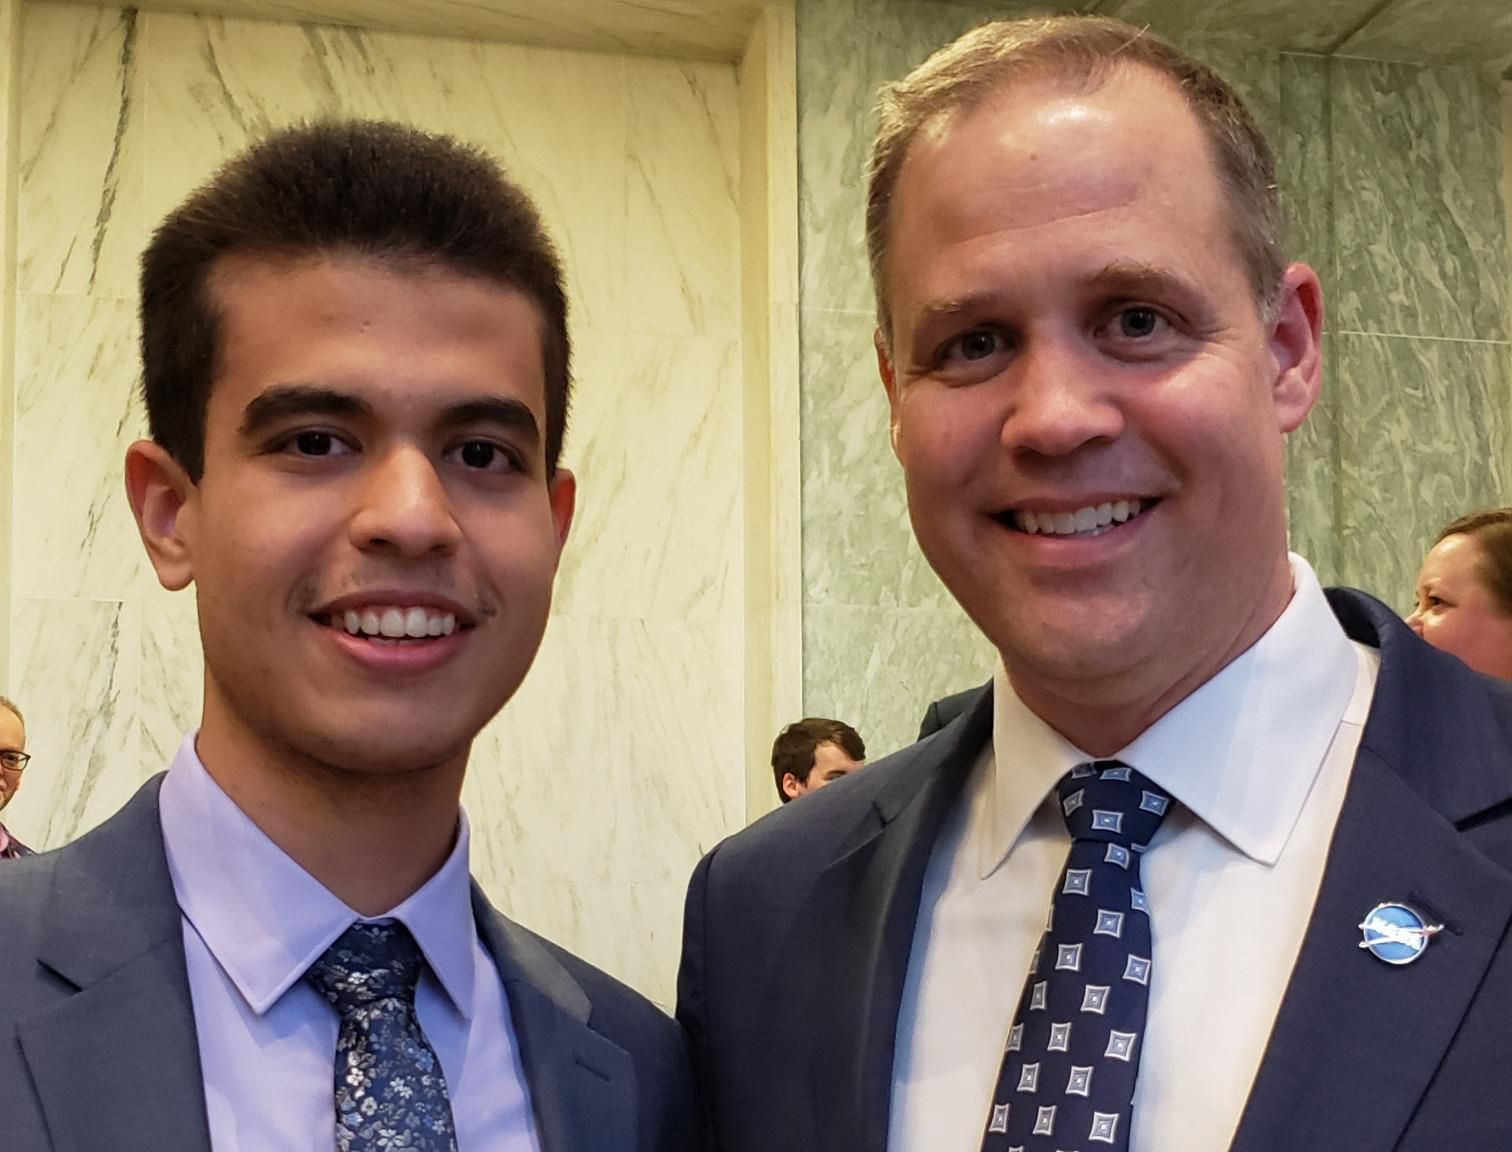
(1083, 523)
(390, 624)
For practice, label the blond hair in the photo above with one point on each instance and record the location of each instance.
(1082, 51)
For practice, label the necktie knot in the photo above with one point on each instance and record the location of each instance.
(1109, 802)
(368, 963)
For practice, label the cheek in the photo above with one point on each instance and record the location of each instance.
(944, 436)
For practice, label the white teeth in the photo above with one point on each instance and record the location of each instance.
(1092, 518)
(397, 623)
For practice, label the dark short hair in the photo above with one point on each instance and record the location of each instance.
(793, 750)
(361, 188)
(1491, 528)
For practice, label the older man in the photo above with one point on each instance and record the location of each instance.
(13, 760)
(1216, 861)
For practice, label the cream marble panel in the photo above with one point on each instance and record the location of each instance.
(79, 225)
(683, 211)
(655, 441)
(555, 119)
(858, 546)
(878, 669)
(172, 686)
(631, 931)
(78, 407)
(75, 668)
(10, 63)
(715, 29)
(1421, 243)
(618, 762)
(1423, 438)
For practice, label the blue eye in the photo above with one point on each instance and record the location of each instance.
(1137, 323)
(978, 345)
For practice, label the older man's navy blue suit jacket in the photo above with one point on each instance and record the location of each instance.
(799, 929)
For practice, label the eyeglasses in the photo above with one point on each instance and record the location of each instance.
(15, 761)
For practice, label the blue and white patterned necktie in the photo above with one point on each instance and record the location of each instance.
(390, 1090)
(1067, 1079)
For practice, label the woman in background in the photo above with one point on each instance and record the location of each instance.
(1464, 592)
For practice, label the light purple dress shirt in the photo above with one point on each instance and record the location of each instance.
(254, 922)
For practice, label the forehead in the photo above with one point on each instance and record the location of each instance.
(12, 732)
(830, 754)
(1122, 167)
(1452, 558)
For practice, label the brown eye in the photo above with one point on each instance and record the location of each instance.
(314, 443)
(478, 454)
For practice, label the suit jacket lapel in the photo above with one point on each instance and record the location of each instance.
(120, 1055)
(1357, 1041)
(859, 920)
(581, 1084)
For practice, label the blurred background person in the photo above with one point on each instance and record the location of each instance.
(13, 759)
(1464, 592)
(813, 752)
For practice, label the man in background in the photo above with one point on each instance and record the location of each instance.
(813, 752)
(356, 369)
(1216, 861)
(13, 760)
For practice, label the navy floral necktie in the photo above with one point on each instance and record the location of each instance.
(390, 1090)
(1072, 1056)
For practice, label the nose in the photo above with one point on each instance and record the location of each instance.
(1415, 620)
(405, 508)
(1062, 400)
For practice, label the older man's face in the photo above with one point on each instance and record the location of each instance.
(12, 739)
(1087, 403)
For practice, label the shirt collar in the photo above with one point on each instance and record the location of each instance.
(266, 920)
(1241, 752)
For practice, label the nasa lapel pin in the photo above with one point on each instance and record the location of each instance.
(1397, 933)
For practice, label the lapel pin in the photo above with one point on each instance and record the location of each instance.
(1396, 933)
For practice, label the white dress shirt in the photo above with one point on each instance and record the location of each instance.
(254, 922)
(1258, 759)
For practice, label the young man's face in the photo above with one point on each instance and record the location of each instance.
(1087, 405)
(374, 537)
(12, 739)
(831, 762)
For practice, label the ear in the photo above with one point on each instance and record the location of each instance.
(1296, 343)
(163, 499)
(792, 787)
(889, 384)
(562, 492)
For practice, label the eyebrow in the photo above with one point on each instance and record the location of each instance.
(1136, 278)
(284, 401)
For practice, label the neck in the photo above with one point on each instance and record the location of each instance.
(1103, 716)
(372, 839)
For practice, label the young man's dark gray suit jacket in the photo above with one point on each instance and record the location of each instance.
(799, 929)
(98, 1051)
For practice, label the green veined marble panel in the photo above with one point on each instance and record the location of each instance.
(1423, 437)
(878, 669)
(1419, 230)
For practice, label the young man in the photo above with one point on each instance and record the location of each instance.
(355, 362)
(13, 760)
(813, 752)
(1215, 862)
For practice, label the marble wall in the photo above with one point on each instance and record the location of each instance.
(598, 787)
(1391, 180)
